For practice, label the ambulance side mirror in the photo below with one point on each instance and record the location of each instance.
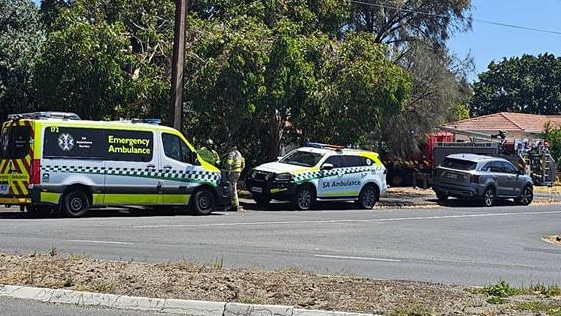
(327, 166)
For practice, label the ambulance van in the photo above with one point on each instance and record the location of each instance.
(54, 161)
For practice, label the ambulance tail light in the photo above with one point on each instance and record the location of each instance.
(35, 172)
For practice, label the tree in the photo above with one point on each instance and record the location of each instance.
(107, 59)
(258, 83)
(438, 96)
(526, 84)
(553, 135)
(416, 33)
(21, 38)
(399, 22)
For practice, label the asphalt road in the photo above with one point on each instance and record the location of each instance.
(467, 245)
(19, 307)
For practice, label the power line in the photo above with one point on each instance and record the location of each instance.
(518, 27)
(476, 20)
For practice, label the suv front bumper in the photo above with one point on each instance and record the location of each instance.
(279, 190)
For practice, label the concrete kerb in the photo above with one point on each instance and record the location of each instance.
(161, 305)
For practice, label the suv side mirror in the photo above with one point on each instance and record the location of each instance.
(327, 166)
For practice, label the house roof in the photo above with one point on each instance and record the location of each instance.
(506, 121)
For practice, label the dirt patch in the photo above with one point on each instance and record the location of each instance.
(185, 280)
(553, 239)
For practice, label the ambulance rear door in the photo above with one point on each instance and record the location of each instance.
(16, 159)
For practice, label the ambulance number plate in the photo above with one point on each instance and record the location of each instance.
(257, 189)
(4, 188)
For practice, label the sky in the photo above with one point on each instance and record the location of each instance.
(509, 28)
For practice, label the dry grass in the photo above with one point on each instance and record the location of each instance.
(186, 280)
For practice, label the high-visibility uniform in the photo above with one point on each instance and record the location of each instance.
(234, 165)
(209, 155)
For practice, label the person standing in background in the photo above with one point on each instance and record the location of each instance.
(234, 165)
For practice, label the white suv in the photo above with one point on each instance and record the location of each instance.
(320, 172)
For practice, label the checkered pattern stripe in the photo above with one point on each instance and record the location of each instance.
(183, 175)
(305, 176)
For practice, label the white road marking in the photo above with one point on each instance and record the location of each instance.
(102, 242)
(358, 258)
(337, 221)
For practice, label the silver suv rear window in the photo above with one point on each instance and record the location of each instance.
(458, 164)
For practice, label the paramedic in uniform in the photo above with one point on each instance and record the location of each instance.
(209, 154)
(234, 165)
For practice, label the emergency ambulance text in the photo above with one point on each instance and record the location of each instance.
(128, 145)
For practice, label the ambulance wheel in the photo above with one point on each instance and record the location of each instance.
(305, 198)
(203, 202)
(368, 197)
(75, 203)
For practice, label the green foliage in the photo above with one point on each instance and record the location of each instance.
(539, 308)
(416, 32)
(412, 310)
(218, 263)
(106, 287)
(549, 291)
(21, 38)
(553, 135)
(107, 59)
(258, 84)
(399, 22)
(437, 97)
(526, 84)
(498, 292)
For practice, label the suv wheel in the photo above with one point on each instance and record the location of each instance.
(261, 200)
(441, 196)
(489, 196)
(526, 197)
(368, 197)
(305, 198)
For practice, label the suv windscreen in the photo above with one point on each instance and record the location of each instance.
(458, 164)
(15, 142)
(301, 158)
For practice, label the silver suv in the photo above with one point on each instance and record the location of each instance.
(470, 176)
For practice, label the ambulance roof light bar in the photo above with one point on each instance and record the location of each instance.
(155, 121)
(45, 116)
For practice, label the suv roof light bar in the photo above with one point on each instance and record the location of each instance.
(45, 116)
(322, 145)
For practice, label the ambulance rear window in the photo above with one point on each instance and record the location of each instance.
(14, 142)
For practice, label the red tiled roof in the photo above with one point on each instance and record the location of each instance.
(507, 121)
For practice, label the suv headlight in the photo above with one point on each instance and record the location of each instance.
(253, 174)
(283, 176)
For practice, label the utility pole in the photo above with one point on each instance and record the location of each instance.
(176, 103)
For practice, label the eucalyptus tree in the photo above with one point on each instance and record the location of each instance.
(416, 32)
(21, 37)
